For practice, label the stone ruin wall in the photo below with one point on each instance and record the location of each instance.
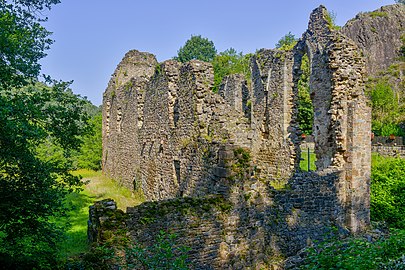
(186, 148)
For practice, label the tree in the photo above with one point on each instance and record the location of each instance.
(230, 62)
(287, 42)
(23, 40)
(387, 113)
(91, 149)
(32, 189)
(198, 48)
(305, 108)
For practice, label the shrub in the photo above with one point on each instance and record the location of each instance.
(162, 255)
(388, 191)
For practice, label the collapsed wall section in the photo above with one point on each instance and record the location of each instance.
(255, 227)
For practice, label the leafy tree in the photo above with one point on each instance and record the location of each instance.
(23, 40)
(91, 149)
(32, 188)
(230, 62)
(198, 48)
(387, 113)
(388, 191)
(287, 42)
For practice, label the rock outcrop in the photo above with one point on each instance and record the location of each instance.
(378, 34)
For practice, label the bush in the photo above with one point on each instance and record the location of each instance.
(162, 255)
(388, 191)
(356, 253)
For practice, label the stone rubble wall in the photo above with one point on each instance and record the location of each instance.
(389, 151)
(172, 148)
(250, 226)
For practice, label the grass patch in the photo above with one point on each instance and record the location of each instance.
(304, 161)
(97, 187)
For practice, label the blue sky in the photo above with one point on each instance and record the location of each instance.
(92, 36)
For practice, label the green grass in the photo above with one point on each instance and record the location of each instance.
(97, 187)
(304, 161)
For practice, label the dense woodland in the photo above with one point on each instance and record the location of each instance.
(47, 133)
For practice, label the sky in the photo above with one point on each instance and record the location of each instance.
(92, 36)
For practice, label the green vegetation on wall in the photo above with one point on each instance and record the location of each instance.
(287, 42)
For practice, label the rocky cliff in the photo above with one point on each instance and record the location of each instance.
(378, 34)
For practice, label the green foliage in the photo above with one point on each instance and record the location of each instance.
(400, 1)
(287, 42)
(98, 257)
(33, 188)
(331, 19)
(388, 191)
(378, 14)
(356, 253)
(164, 254)
(305, 108)
(22, 40)
(198, 48)
(402, 50)
(91, 149)
(388, 111)
(230, 62)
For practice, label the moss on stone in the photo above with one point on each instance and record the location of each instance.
(375, 14)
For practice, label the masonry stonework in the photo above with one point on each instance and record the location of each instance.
(222, 170)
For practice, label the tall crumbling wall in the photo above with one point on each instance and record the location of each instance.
(272, 104)
(223, 170)
(171, 146)
(123, 116)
